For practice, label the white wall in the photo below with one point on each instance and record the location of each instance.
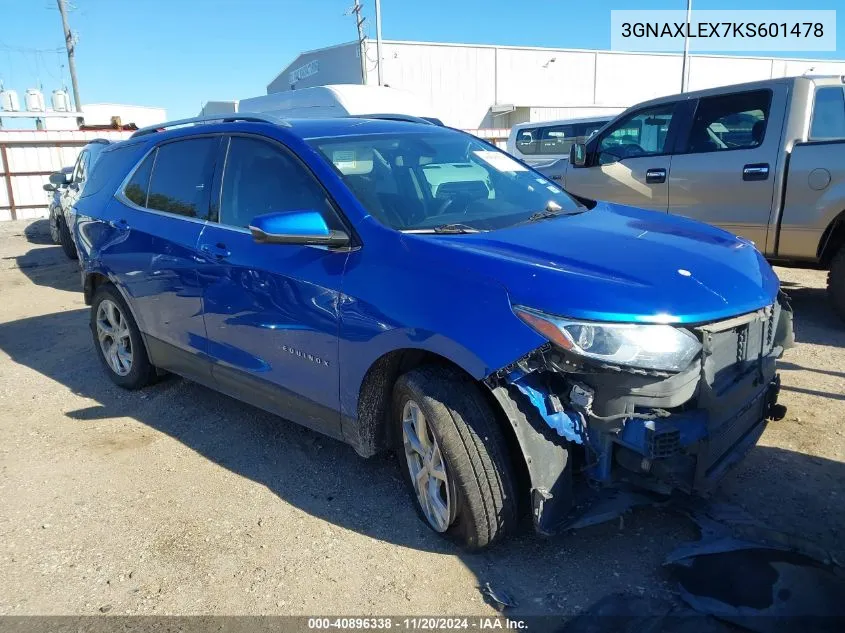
(457, 81)
(39, 151)
(463, 81)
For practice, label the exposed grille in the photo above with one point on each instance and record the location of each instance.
(663, 444)
(734, 347)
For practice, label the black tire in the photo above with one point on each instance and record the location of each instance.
(65, 239)
(141, 372)
(836, 282)
(478, 468)
(54, 225)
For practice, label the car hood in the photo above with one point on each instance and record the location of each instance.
(618, 263)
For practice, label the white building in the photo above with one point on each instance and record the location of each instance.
(476, 86)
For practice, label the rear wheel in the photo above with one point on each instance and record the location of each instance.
(118, 340)
(836, 282)
(454, 457)
(65, 239)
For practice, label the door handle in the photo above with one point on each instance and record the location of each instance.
(757, 171)
(655, 176)
(218, 251)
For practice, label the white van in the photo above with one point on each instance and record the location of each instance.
(340, 100)
(540, 143)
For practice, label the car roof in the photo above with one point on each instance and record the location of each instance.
(355, 126)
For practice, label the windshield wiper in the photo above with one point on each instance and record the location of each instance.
(455, 228)
(544, 214)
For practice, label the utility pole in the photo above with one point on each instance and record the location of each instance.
(378, 39)
(362, 47)
(71, 62)
(684, 82)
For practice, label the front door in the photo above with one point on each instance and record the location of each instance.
(271, 310)
(631, 161)
(725, 172)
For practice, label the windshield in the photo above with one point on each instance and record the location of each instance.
(419, 181)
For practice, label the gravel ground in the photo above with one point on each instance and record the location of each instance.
(179, 500)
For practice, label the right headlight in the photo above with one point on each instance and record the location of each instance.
(659, 347)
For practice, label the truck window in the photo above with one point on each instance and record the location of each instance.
(557, 139)
(641, 134)
(527, 140)
(828, 114)
(736, 121)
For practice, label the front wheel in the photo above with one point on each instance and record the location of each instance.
(54, 225)
(454, 456)
(836, 282)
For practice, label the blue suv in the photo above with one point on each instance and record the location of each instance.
(406, 286)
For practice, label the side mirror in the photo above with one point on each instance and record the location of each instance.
(578, 154)
(304, 227)
(60, 178)
(49, 187)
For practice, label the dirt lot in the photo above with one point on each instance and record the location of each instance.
(180, 500)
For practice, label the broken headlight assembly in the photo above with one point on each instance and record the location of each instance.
(646, 346)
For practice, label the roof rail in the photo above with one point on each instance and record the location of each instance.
(212, 118)
(389, 116)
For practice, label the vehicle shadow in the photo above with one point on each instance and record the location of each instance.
(816, 322)
(48, 265)
(326, 479)
(38, 232)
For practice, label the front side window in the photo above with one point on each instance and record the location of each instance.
(422, 180)
(181, 177)
(643, 133)
(736, 121)
(261, 178)
(829, 114)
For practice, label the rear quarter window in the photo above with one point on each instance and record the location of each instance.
(111, 168)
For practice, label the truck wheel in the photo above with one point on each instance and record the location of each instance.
(118, 340)
(454, 456)
(65, 239)
(836, 282)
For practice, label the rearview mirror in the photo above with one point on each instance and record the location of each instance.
(578, 154)
(59, 178)
(49, 187)
(306, 227)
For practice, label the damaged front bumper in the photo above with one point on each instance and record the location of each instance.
(655, 430)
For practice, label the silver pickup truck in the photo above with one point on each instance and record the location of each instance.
(763, 160)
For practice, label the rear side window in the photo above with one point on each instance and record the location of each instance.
(137, 187)
(557, 139)
(261, 178)
(80, 170)
(829, 114)
(181, 177)
(736, 121)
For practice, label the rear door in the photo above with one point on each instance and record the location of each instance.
(271, 310)
(157, 219)
(631, 161)
(724, 171)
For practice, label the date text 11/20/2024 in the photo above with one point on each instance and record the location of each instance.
(419, 623)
